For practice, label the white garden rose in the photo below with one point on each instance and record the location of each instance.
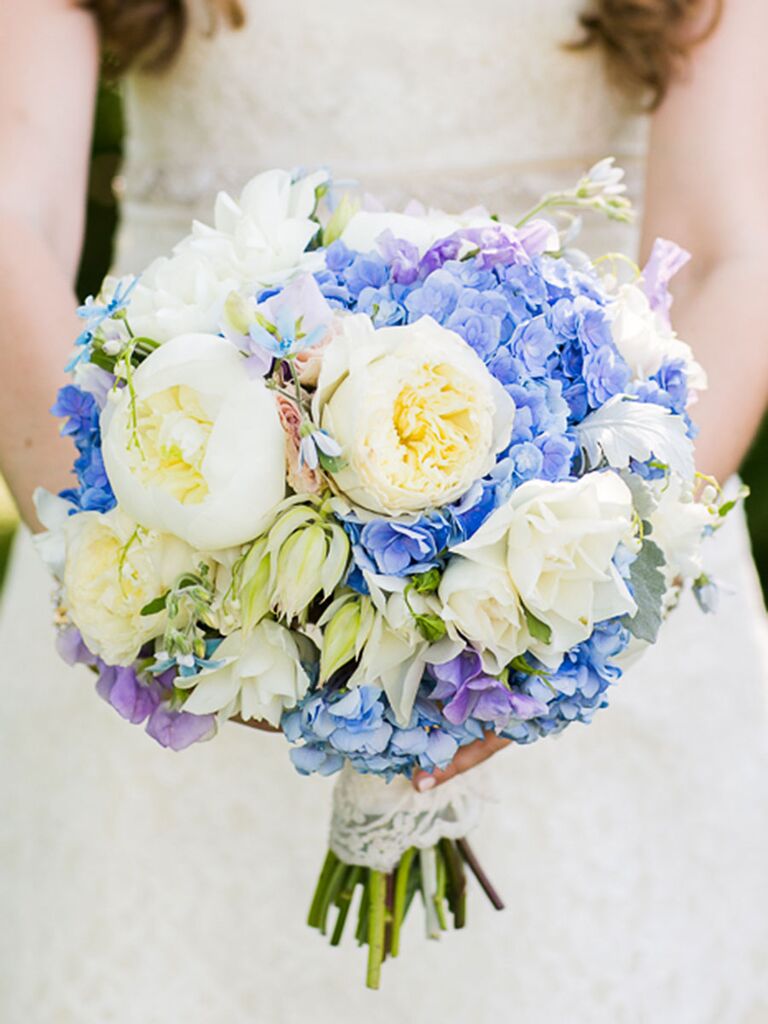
(260, 677)
(113, 569)
(258, 240)
(480, 604)
(645, 341)
(556, 543)
(417, 414)
(180, 294)
(197, 450)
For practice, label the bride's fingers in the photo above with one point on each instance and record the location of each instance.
(465, 759)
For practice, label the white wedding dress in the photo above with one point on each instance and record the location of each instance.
(139, 886)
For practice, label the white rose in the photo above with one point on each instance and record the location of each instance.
(644, 340)
(417, 414)
(259, 239)
(180, 294)
(677, 527)
(480, 603)
(556, 542)
(260, 678)
(113, 569)
(200, 452)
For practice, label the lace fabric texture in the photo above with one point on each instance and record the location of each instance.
(142, 887)
(375, 822)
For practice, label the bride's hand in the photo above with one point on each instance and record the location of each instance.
(466, 758)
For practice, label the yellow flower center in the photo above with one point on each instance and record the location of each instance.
(172, 430)
(437, 427)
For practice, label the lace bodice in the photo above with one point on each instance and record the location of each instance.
(451, 103)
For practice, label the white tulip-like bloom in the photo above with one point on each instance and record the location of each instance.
(197, 449)
(556, 543)
(646, 342)
(113, 569)
(259, 239)
(260, 677)
(417, 414)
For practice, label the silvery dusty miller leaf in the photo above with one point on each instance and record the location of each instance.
(648, 586)
(625, 429)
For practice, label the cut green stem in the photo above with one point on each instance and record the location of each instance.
(377, 894)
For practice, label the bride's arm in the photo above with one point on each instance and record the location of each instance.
(48, 73)
(708, 191)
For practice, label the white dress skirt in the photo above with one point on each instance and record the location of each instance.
(139, 886)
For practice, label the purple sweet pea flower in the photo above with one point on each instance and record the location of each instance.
(71, 647)
(465, 690)
(178, 730)
(120, 687)
(665, 261)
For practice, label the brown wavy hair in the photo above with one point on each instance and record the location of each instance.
(150, 32)
(645, 42)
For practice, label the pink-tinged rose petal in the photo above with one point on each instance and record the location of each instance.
(309, 360)
(301, 479)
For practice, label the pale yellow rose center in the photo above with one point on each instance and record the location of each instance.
(437, 427)
(172, 430)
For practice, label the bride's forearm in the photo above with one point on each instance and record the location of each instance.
(722, 315)
(37, 313)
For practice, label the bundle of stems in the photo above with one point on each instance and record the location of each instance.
(438, 874)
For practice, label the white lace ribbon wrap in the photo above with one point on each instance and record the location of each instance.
(375, 822)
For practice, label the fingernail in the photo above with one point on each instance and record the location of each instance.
(425, 783)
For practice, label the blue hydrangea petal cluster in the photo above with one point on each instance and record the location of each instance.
(577, 689)
(80, 412)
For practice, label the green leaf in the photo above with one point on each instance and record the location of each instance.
(539, 630)
(648, 587)
(425, 582)
(431, 627)
(521, 664)
(331, 463)
(158, 605)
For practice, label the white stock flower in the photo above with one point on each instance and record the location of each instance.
(645, 341)
(258, 240)
(556, 543)
(417, 414)
(113, 569)
(260, 678)
(199, 451)
(480, 603)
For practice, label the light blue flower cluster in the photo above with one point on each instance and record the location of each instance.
(457, 704)
(358, 725)
(576, 690)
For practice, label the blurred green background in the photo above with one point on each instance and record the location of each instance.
(96, 258)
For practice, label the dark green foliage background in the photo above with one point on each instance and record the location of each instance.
(96, 258)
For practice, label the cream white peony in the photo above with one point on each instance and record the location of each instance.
(260, 678)
(418, 416)
(555, 542)
(112, 570)
(481, 604)
(645, 341)
(259, 239)
(200, 451)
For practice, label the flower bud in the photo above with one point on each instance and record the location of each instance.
(344, 635)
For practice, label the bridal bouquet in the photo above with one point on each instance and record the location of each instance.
(389, 482)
